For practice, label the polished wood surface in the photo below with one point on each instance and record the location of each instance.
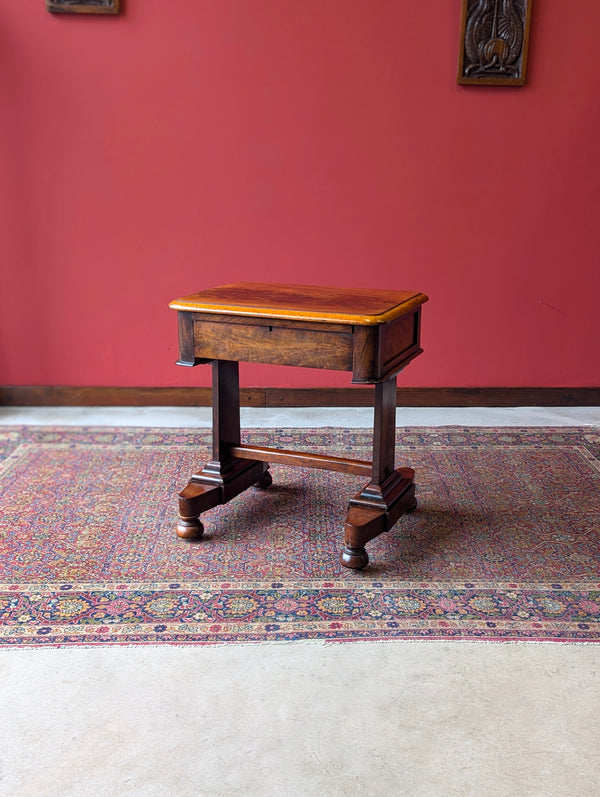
(224, 476)
(327, 329)
(302, 303)
(373, 334)
(304, 345)
(304, 459)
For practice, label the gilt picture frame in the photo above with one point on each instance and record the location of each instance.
(494, 42)
(84, 6)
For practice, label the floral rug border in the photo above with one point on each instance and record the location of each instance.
(203, 613)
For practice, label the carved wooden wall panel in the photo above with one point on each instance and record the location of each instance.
(83, 6)
(494, 42)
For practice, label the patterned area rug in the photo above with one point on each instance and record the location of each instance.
(505, 543)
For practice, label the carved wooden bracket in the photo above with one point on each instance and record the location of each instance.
(494, 42)
(83, 6)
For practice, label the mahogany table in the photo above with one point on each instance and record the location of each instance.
(371, 333)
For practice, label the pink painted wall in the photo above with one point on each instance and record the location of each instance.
(189, 143)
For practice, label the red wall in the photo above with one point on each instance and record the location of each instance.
(189, 143)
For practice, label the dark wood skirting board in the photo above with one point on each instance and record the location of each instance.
(54, 396)
(438, 397)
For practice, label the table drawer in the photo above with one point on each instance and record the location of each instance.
(273, 344)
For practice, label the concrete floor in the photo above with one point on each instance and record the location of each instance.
(354, 417)
(393, 718)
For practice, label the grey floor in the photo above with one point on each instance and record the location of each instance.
(393, 718)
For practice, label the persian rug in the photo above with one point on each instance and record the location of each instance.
(504, 545)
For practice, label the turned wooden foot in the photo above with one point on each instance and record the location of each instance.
(354, 558)
(212, 487)
(194, 499)
(190, 528)
(374, 511)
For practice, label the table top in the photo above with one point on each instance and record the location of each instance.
(302, 303)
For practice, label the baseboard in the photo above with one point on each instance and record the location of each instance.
(55, 396)
(438, 397)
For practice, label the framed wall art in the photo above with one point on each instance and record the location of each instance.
(83, 6)
(494, 42)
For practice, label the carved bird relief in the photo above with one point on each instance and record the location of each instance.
(494, 38)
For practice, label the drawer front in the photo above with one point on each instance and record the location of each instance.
(277, 345)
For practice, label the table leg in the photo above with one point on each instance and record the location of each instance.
(390, 492)
(224, 476)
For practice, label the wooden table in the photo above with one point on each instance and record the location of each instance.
(371, 333)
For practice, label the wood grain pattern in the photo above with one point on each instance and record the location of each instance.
(372, 333)
(303, 459)
(275, 345)
(302, 302)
